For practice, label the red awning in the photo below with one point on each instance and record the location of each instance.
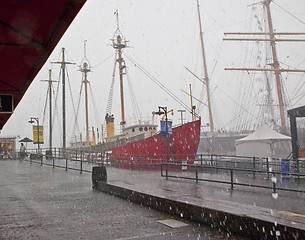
(29, 31)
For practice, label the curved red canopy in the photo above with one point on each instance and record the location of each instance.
(29, 31)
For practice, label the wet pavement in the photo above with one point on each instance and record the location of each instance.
(255, 212)
(39, 202)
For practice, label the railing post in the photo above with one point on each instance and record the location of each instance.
(268, 176)
(131, 159)
(274, 183)
(232, 179)
(201, 159)
(196, 174)
(166, 169)
(53, 158)
(298, 168)
(66, 164)
(161, 166)
(81, 164)
(211, 160)
(254, 167)
(38, 154)
(216, 165)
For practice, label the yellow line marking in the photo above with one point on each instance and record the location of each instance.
(291, 214)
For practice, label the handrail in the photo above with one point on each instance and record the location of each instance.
(231, 182)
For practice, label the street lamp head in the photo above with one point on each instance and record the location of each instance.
(158, 113)
(31, 121)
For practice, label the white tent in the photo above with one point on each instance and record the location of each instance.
(264, 142)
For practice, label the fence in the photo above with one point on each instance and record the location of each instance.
(263, 165)
(196, 170)
(82, 160)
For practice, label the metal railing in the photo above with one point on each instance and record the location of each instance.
(77, 160)
(263, 164)
(257, 168)
(195, 170)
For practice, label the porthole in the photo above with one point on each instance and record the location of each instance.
(140, 129)
(145, 129)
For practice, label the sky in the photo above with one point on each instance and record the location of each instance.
(164, 38)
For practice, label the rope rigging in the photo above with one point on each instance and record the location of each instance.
(134, 103)
(45, 106)
(161, 85)
(73, 105)
(55, 107)
(77, 111)
(96, 115)
(110, 96)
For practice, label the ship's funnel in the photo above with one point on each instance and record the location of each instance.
(109, 125)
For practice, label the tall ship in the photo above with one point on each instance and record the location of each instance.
(141, 140)
(261, 93)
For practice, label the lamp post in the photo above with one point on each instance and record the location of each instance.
(163, 110)
(37, 120)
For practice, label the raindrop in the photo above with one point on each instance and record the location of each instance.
(181, 215)
(278, 233)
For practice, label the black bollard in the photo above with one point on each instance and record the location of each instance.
(99, 173)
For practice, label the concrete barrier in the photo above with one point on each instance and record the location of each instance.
(229, 223)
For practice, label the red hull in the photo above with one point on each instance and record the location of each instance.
(183, 145)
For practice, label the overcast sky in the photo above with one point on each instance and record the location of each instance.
(164, 39)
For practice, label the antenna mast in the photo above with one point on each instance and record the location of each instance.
(206, 77)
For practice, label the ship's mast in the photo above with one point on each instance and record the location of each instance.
(192, 107)
(63, 67)
(206, 77)
(275, 65)
(119, 43)
(276, 68)
(50, 81)
(85, 69)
